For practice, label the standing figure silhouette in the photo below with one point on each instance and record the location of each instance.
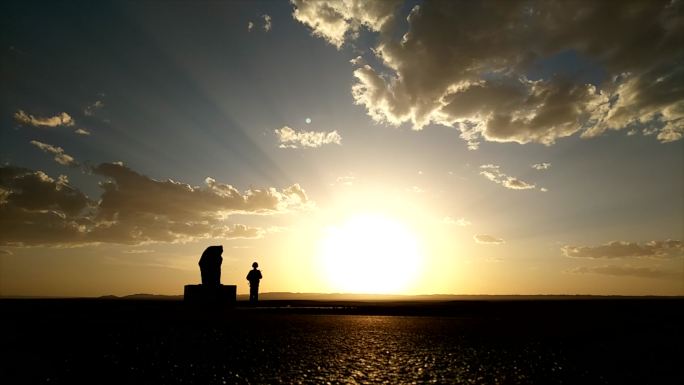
(254, 276)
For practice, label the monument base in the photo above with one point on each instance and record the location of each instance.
(220, 295)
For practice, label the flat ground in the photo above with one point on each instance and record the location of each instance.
(616, 341)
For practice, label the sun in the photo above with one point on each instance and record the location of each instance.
(370, 254)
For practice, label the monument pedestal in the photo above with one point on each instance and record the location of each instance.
(204, 294)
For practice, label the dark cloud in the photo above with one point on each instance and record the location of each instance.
(126, 191)
(620, 249)
(24, 189)
(471, 65)
(628, 271)
(133, 209)
(37, 209)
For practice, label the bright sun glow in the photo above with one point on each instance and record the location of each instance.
(370, 254)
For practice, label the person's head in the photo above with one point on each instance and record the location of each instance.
(255, 265)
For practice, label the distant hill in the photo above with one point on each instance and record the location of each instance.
(288, 296)
(424, 297)
(144, 296)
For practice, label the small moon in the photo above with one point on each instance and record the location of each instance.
(308, 120)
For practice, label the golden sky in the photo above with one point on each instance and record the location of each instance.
(392, 147)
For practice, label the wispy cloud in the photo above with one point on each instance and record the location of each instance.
(541, 166)
(347, 180)
(62, 119)
(60, 156)
(267, 22)
(91, 108)
(82, 131)
(628, 271)
(493, 173)
(415, 189)
(487, 239)
(139, 251)
(620, 249)
(458, 222)
(289, 138)
(266, 26)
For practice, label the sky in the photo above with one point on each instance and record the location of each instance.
(419, 147)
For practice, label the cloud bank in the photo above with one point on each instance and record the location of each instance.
(36, 209)
(490, 68)
(289, 138)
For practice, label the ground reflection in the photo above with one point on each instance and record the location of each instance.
(344, 349)
(261, 346)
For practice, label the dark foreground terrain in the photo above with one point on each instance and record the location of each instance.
(600, 341)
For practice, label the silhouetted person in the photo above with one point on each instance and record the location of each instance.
(210, 265)
(254, 276)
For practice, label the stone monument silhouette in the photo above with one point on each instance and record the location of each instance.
(211, 291)
(210, 266)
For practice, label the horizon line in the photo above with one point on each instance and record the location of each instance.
(368, 296)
